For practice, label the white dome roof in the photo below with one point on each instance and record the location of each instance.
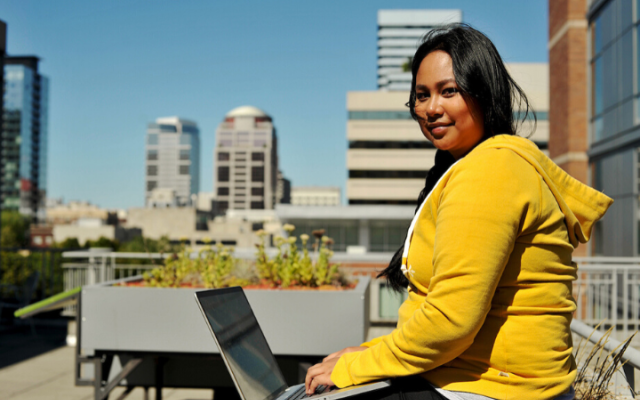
(246, 111)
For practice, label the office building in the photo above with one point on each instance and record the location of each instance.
(315, 196)
(399, 34)
(246, 157)
(24, 137)
(388, 156)
(595, 115)
(172, 160)
(283, 189)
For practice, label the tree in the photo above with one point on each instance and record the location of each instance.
(15, 229)
(69, 243)
(406, 67)
(102, 242)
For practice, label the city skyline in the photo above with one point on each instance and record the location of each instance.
(116, 66)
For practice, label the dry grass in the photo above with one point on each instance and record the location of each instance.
(597, 367)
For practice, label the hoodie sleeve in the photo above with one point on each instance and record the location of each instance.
(487, 201)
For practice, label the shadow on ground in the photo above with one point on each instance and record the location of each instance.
(19, 342)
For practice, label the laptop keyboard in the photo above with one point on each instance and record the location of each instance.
(300, 393)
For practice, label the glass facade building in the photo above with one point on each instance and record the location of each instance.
(172, 161)
(614, 122)
(23, 178)
(399, 35)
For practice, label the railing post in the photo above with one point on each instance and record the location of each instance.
(625, 300)
(614, 299)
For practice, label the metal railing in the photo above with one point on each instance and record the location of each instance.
(607, 289)
(607, 292)
(102, 266)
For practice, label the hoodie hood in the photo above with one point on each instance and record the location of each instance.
(581, 205)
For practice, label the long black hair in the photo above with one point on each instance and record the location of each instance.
(481, 77)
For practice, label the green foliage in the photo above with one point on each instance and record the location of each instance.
(290, 267)
(214, 268)
(15, 229)
(406, 66)
(217, 267)
(140, 244)
(68, 243)
(102, 242)
(16, 267)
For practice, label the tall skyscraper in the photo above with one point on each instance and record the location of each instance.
(23, 179)
(399, 34)
(246, 157)
(173, 159)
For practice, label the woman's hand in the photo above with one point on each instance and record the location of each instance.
(320, 374)
(337, 354)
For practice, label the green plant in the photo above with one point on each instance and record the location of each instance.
(178, 269)
(217, 266)
(15, 229)
(291, 267)
(212, 268)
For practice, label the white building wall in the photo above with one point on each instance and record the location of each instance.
(246, 140)
(315, 196)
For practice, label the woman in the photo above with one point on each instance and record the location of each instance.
(487, 259)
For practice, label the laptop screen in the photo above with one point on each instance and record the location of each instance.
(242, 343)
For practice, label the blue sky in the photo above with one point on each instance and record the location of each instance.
(115, 66)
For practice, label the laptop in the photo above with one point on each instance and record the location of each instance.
(247, 355)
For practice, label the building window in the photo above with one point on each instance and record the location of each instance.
(183, 170)
(185, 154)
(386, 236)
(243, 138)
(344, 233)
(167, 128)
(259, 143)
(257, 156)
(151, 185)
(223, 191)
(152, 138)
(223, 156)
(225, 143)
(257, 191)
(223, 174)
(152, 155)
(257, 174)
(185, 139)
(223, 206)
(240, 188)
(388, 174)
(152, 170)
(257, 205)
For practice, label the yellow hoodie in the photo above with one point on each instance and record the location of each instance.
(490, 274)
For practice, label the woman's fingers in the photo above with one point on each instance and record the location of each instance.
(319, 374)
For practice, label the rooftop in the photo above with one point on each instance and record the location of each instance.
(246, 111)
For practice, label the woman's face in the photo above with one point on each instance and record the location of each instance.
(445, 117)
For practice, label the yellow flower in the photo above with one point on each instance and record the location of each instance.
(289, 228)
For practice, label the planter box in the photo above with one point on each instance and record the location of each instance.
(165, 320)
